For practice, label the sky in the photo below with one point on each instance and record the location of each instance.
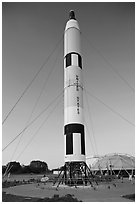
(30, 33)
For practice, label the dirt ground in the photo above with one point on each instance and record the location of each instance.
(104, 192)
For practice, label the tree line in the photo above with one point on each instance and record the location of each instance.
(35, 167)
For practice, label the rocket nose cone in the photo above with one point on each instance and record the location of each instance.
(72, 15)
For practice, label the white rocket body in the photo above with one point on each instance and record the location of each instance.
(73, 94)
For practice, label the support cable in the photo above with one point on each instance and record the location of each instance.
(93, 132)
(90, 138)
(89, 133)
(110, 65)
(107, 106)
(36, 103)
(31, 139)
(41, 113)
(28, 86)
(7, 169)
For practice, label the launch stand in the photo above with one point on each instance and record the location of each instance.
(75, 174)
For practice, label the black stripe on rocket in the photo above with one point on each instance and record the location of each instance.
(73, 58)
(68, 131)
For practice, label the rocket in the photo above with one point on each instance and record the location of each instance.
(74, 136)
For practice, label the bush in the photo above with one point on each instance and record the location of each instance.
(38, 167)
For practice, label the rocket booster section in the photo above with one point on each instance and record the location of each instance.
(73, 93)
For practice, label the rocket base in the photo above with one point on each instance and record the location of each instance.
(75, 174)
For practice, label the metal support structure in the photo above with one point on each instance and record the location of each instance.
(75, 174)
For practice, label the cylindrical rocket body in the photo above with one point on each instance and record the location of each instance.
(74, 136)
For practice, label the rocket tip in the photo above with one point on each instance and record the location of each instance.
(72, 15)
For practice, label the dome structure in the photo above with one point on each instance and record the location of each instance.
(116, 163)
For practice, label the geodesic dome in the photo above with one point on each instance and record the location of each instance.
(114, 162)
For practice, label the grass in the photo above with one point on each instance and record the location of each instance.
(28, 179)
(15, 198)
(7, 184)
(55, 198)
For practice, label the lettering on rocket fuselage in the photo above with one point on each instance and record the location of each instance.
(77, 89)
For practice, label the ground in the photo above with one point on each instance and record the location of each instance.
(28, 188)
